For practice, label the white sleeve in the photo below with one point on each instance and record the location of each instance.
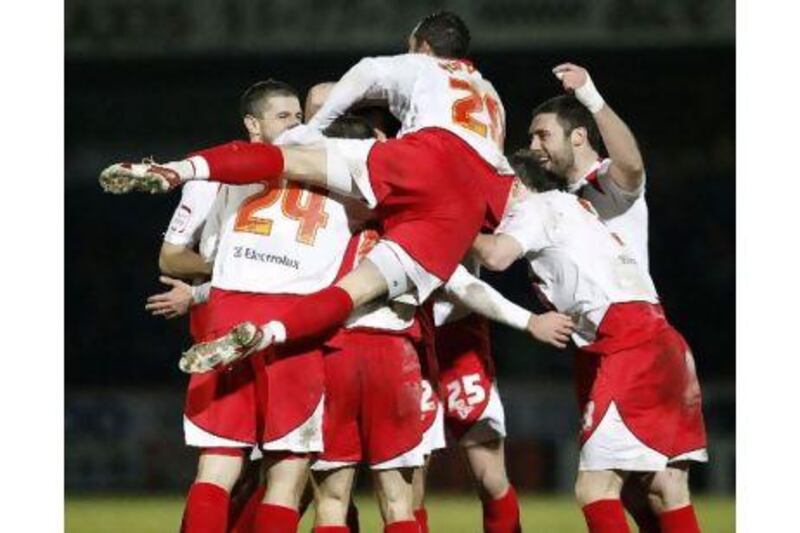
(524, 224)
(482, 298)
(372, 77)
(621, 196)
(197, 197)
(209, 237)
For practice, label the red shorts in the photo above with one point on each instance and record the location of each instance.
(466, 373)
(642, 393)
(372, 399)
(264, 397)
(431, 189)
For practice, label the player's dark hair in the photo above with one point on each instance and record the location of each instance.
(445, 33)
(572, 114)
(350, 127)
(532, 175)
(253, 98)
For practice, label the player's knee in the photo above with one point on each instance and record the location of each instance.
(494, 482)
(221, 470)
(670, 488)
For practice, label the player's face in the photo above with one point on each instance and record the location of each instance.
(278, 115)
(550, 145)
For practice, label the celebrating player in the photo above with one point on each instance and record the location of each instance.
(433, 188)
(566, 136)
(634, 373)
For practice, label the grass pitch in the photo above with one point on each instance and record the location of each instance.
(447, 513)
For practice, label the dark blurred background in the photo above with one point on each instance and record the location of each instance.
(160, 77)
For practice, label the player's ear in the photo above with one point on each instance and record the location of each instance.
(578, 136)
(251, 125)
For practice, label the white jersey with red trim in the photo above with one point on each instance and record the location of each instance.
(581, 265)
(188, 224)
(424, 91)
(624, 212)
(281, 238)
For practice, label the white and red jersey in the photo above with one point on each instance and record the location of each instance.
(624, 212)
(281, 238)
(188, 224)
(582, 266)
(423, 92)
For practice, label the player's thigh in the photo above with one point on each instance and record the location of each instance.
(219, 469)
(594, 485)
(364, 284)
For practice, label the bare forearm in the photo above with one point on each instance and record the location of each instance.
(482, 298)
(622, 148)
(183, 263)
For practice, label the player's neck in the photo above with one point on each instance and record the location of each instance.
(584, 161)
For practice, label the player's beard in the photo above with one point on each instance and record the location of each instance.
(560, 163)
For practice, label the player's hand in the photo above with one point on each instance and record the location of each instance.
(571, 76)
(173, 303)
(551, 328)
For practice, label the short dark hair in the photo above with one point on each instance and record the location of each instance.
(572, 114)
(256, 94)
(531, 173)
(350, 127)
(445, 33)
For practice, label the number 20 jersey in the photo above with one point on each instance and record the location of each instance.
(428, 92)
(280, 238)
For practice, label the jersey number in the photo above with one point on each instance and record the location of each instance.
(471, 386)
(305, 205)
(464, 109)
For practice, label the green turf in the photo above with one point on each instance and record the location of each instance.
(457, 513)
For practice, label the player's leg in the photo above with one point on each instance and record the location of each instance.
(669, 495)
(418, 496)
(395, 496)
(332, 496)
(316, 314)
(208, 501)
(286, 478)
(598, 494)
(500, 503)
(235, 163)
(637, 502)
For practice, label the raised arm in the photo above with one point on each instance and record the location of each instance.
(627, 166)
(372, 77)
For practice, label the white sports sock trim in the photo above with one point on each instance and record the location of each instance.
(201, 169)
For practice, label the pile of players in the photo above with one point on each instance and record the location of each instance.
(343, 322)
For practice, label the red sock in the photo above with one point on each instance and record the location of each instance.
(605, 516)
(502, 515)
(352, 518)
(206, 509)
(406, 526)
(245, 520)
(331, 529)
(317, 313)
(276, 519)
(240, 162)
(681, 520)
(421, 515)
